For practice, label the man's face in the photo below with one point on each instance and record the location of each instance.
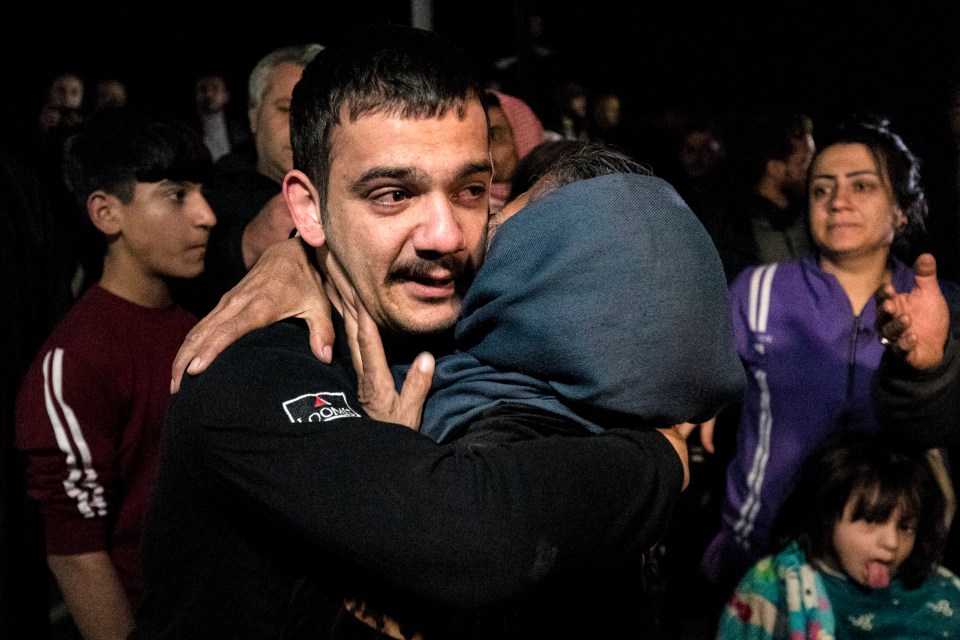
(503, 146)
(700, 154)
(211, 94)
(270, 122)
(797, 163)
(406, 213)
(607, 113)
(66, 92)
(164, 229)
(111, 93)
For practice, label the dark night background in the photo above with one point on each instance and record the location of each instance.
(823, 58)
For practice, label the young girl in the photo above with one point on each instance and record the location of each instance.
(864, 531)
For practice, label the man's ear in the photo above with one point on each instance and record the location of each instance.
(304, 204)
(103, 211)
(252, 119)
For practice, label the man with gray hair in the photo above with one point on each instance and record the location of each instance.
(245, 193)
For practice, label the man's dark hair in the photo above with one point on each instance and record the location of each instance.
(489, 99)
(117, 148)
(881, 475)
(388, 69)
(769, 136)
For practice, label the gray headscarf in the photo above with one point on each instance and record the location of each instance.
(605, 302)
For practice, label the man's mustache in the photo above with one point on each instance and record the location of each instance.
(422, 269)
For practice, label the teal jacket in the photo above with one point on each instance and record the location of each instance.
(784, 596)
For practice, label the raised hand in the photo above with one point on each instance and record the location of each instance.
(914, 325)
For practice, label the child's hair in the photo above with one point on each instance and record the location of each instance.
(881, 475)
(117, 148)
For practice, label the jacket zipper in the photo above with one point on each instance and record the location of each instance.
(852, 363)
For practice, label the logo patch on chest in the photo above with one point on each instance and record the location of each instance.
(319, 407)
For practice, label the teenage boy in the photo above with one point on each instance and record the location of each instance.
(92, 406)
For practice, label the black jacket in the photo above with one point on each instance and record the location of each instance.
(277, 496)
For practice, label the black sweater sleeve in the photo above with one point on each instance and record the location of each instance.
(923, 406)
(463, 524)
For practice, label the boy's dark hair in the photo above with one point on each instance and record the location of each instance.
(901, 168)
(117, 148)
(388, 69)
(881, 475)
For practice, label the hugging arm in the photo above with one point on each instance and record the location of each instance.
(463, 525)
(282, 284)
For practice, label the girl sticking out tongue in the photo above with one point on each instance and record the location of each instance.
(860, 539)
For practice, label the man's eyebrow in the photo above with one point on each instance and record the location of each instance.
(390, 173)
(475, 167)
(414, 174)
